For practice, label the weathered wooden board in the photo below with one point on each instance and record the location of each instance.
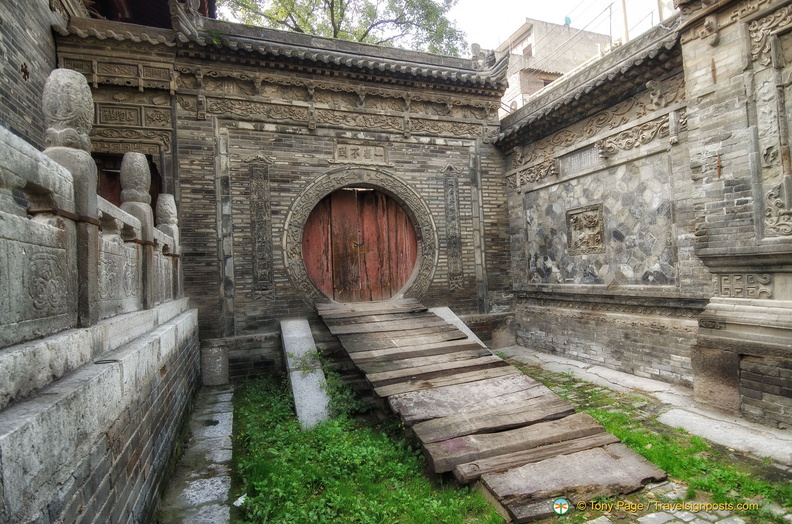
(380, 317)
(390, 325)
(444, 456)
(460, 378)
(334, 314)
(417, 362)
(471, 471)
(433, 370)
(493, 418)
(408, 337)
(581, 476)
(386, 306)
(435, 348)
(462, 398)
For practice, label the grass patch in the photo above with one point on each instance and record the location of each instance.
(701, 465)
(341, 471)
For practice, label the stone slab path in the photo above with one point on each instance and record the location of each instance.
(480, 418)
(198, 491)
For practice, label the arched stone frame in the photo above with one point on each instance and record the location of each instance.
(391, 185)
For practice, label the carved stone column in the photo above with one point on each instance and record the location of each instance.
(168, 223)
(135, 200)
(69, 114)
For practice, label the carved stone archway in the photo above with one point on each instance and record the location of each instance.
(414, 206)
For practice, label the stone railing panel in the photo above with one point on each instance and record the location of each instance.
(38, 279)
(120, 262)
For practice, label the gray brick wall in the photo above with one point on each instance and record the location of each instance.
(766, 390)
(28, 50)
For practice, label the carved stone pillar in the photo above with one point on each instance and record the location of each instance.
(168, 223)
(69, 114)
(135, 200)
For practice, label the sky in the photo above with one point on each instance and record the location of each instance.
(490, 23)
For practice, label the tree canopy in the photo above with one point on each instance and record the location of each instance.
(414, 24)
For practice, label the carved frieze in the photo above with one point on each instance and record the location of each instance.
(637, 136)
(658, 96)
(743, 285)
(101, 146)
(162, 138)
(761, 33)
(534, 173)
(347, 119)
(586, 230)
(122, 73)
(118, 115)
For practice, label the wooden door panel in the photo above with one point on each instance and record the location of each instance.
(317, 247)
(359, 245)
(345, 239)
(375, 267)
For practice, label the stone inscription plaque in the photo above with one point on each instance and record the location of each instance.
(579, 161)
(360, 154)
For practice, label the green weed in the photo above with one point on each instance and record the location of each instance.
(337, 472)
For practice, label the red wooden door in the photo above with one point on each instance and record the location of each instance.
(359, 245)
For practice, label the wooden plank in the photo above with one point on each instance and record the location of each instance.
(365, 319)
(437, 348)
(331, 314)
(496, 418)
(340, 307)
(379, 366)
(471, 471)
(345, 238)
(434, 370)
(581, 476)
(391, 325)
(461, 398)
(316, 247)
(460, 378)
(446, 455)
(407, 337)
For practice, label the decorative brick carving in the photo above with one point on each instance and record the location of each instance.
(638, 135)
(586, 230)
(761, 33)
(261, 215)
(456, 275)
(743, 285)
(778, 219)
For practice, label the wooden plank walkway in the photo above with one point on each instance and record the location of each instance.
(480, 418)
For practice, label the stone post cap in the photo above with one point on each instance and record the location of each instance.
(135, 178)
(68, 110)
(166, 210)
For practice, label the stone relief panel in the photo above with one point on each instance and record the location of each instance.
(585, 230)
(623, 238)
(120, 276)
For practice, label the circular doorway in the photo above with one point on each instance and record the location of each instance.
(359, 244)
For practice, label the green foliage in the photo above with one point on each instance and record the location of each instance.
(413, 24)
(337, 472)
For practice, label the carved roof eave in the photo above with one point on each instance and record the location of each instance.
(335, 53)
(108, 30)
(617, 75)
